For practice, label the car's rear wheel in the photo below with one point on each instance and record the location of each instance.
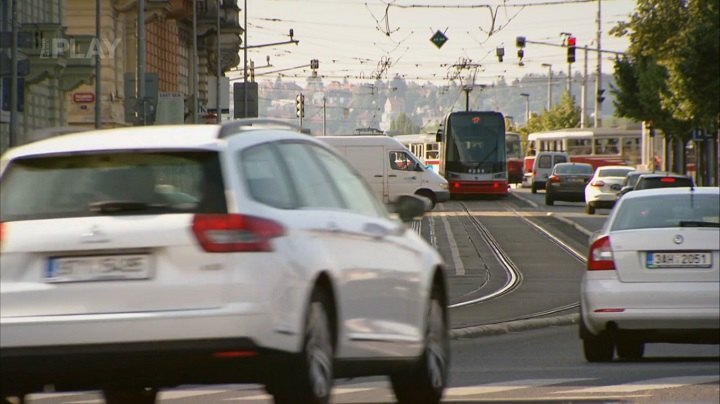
(533, 188)
(312, 379)
(129, 395)
(630, 349)
(549, 200)
(597, 348)
(589, 209)
(425, 381)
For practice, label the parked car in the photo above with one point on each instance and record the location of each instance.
(543, 165)
(653, 274)
(567, 182)
(140, 258)
(602, 189)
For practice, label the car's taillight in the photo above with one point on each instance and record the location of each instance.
(554, 178)
(534, 172)
(235, 233)
(600, 257)
(597, 183)
(2, 231)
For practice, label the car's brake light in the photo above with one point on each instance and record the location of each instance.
(597, 183)
(235, 233)
(554, 178)
(2, 231)
(600, 257)
(667, 179)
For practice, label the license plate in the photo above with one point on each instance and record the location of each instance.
(98, 268)
(687, 259)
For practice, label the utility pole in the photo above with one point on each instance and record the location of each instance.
(218, 107)
(527, 107)
(195, 73)
(98, 86)
(550, 75)
(598, 105)
(140, 82)
(13, 75)
(583, 96)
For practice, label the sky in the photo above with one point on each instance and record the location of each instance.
(364, 39)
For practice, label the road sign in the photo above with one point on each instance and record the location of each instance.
(83, 98)
(439, 39)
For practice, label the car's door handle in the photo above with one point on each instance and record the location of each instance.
(378, 176)
(392, 175)
(412, 178)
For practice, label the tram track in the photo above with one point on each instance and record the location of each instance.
(513, 272)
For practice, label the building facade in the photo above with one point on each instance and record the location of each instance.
(59, 44)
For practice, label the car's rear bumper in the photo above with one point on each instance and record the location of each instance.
(144, 364)
(648, 308)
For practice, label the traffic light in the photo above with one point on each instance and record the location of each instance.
(600, 97)
(500, 52)
(571, 49)
(300, 105)
(520, 41)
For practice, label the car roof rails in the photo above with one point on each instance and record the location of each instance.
(237, 126)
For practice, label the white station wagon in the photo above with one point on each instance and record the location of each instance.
(142, 258)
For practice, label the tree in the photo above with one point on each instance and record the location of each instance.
(402, 125)
(670, 74)
(564, 114)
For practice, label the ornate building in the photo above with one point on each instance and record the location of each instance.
(60, 90)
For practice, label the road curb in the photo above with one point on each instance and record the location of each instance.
(513, 326)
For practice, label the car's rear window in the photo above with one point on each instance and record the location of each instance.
(668, 211)
(613, 172)
(573, 169)
(112, 183)
(663, 182)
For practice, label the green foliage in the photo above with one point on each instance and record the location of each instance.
(402, 125)
(564, 114)
(670, 75)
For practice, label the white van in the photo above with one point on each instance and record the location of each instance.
(543, 165)
(389, 167)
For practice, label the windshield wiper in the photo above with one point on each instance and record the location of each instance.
(119, 206)
(697, 223)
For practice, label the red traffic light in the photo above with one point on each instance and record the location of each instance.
(571, 41)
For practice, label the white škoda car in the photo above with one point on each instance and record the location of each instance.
(140, 258)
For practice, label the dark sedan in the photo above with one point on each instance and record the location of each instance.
(567, 182)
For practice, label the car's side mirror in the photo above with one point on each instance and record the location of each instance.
(408, 207)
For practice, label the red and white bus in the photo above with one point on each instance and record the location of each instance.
(597, 146)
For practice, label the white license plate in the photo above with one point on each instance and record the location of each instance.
(98, 268)
(687, 259)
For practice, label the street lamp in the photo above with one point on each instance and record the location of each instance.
(527, 107)
(549, 100)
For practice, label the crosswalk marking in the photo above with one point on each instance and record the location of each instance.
(651, 384)
(506, 386)
(561, 390)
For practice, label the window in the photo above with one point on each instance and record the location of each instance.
(607, 146)
(313, 184)
(74, 186)
(354, 190)
(579, 147)
(400, 160)
(265, 179)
